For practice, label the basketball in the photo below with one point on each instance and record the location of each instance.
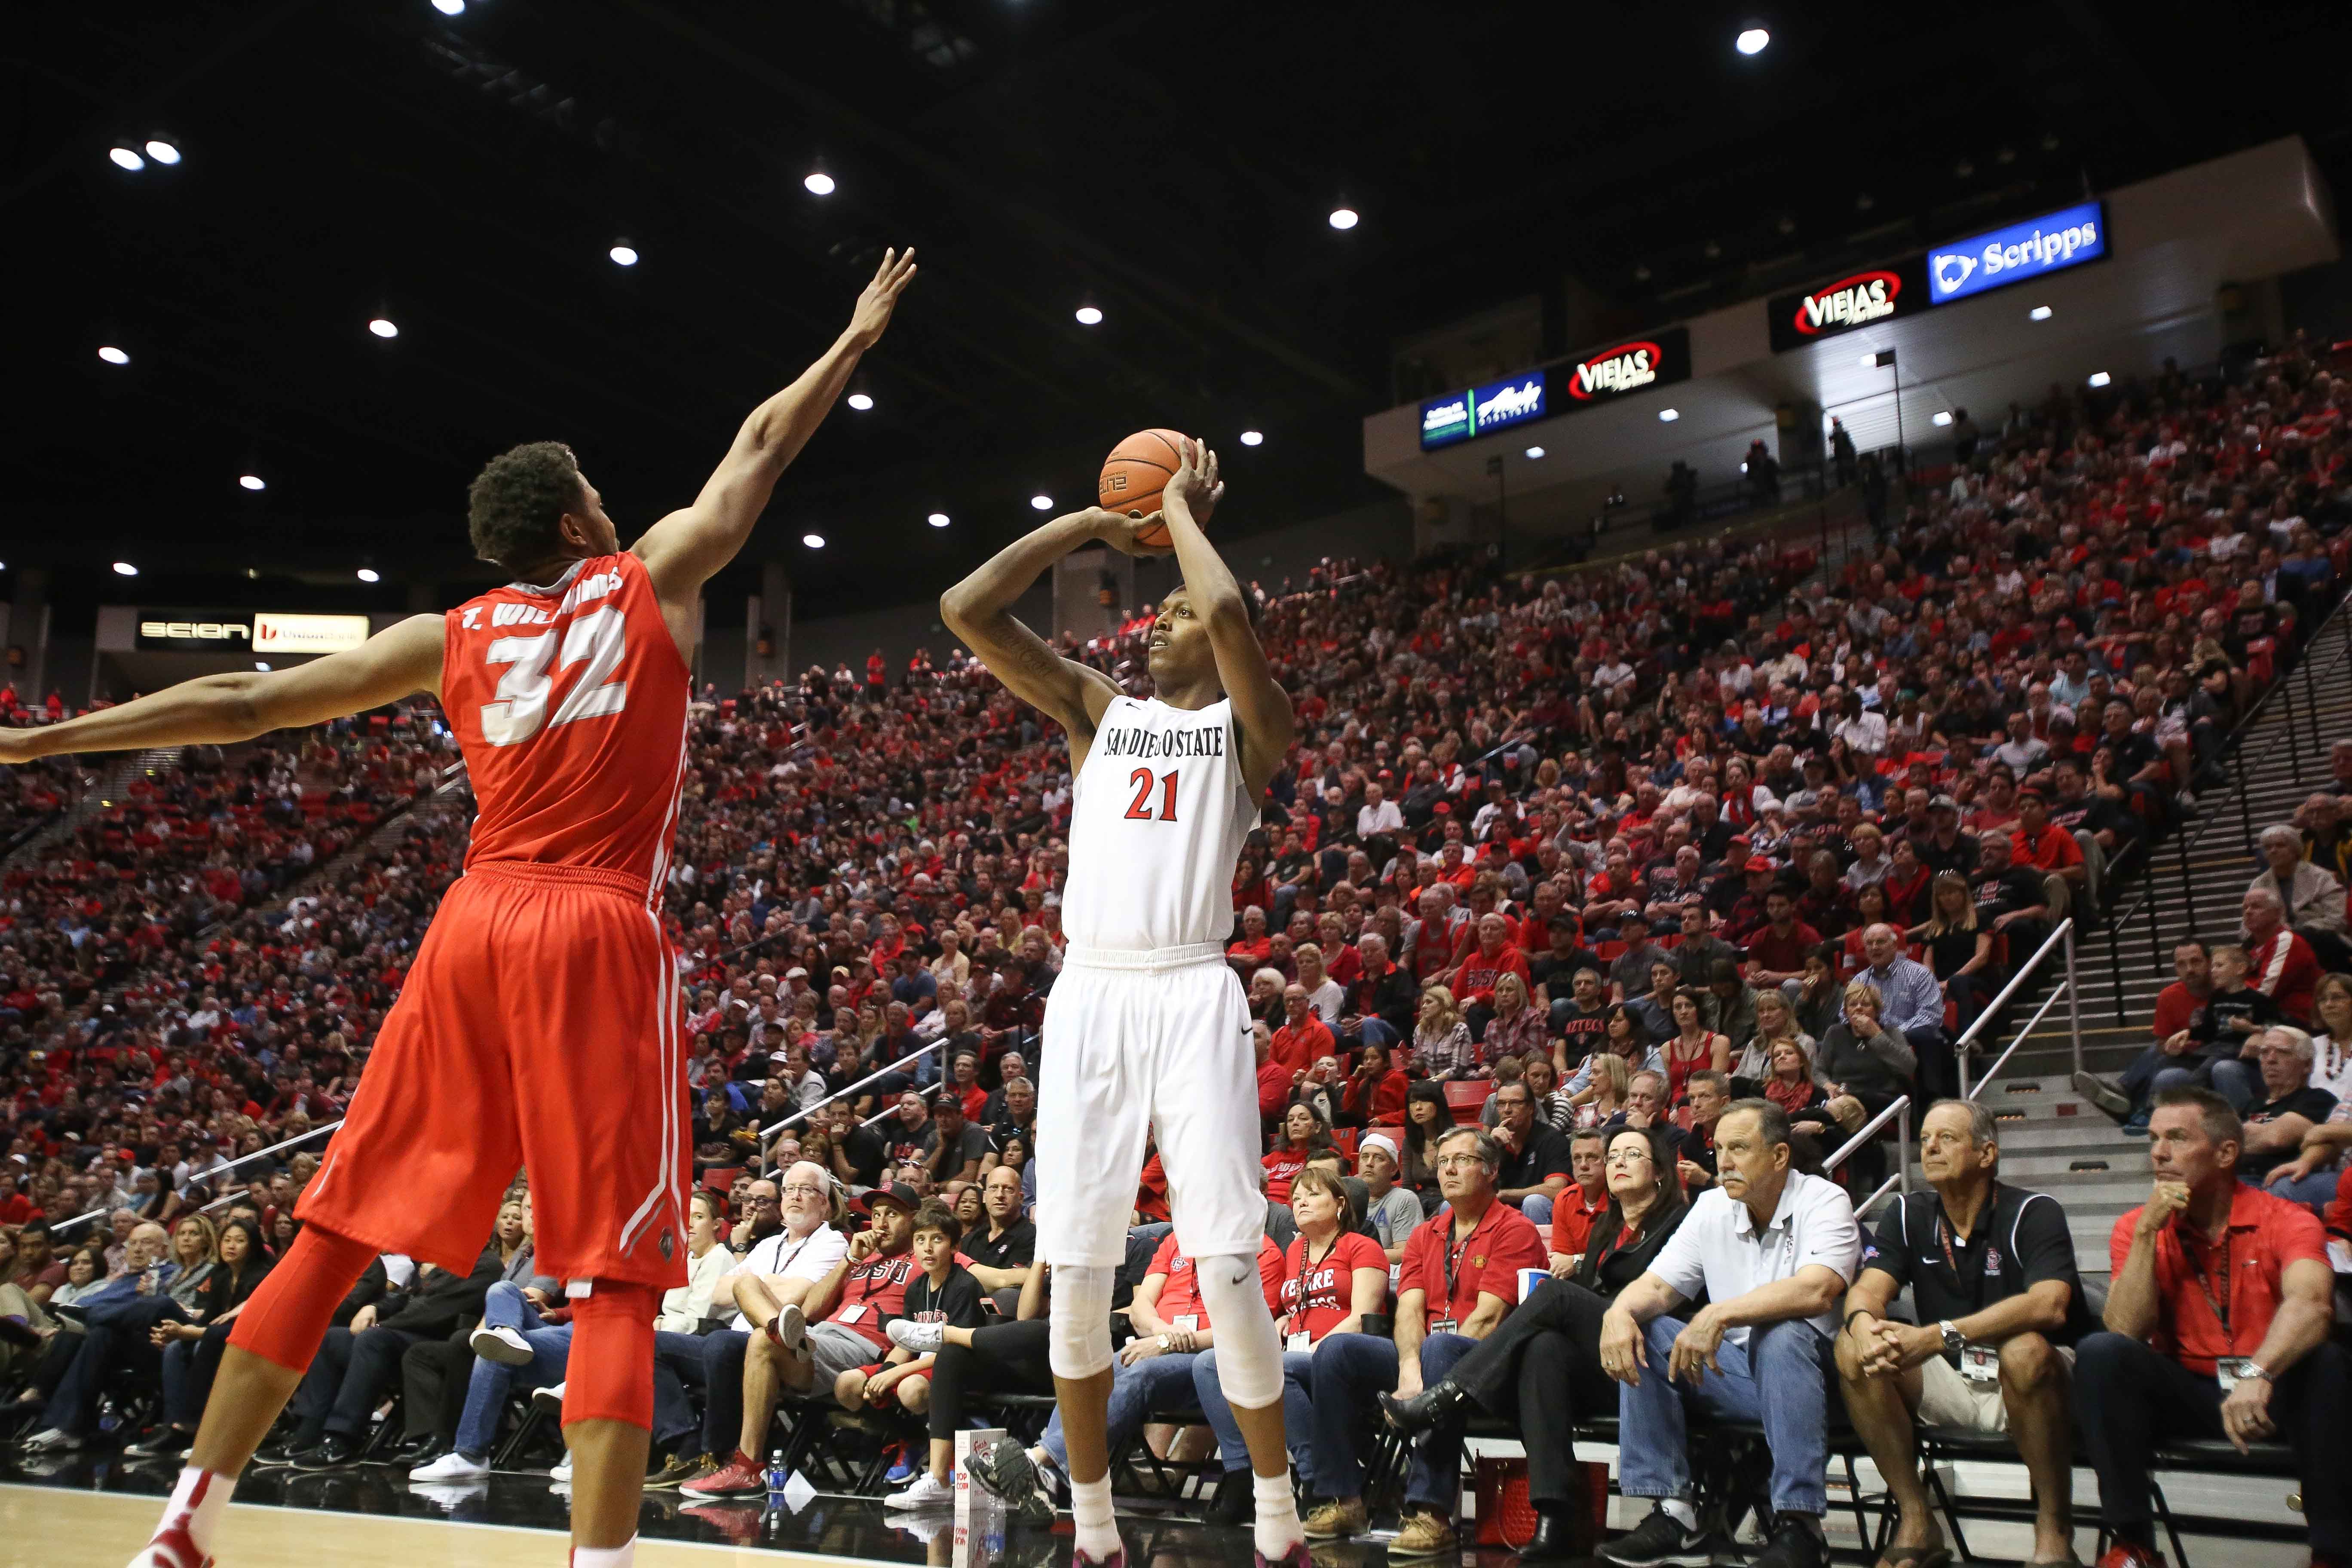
(1136, 471)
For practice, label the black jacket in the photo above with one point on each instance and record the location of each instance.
(437, 1302)
(1604, 1269)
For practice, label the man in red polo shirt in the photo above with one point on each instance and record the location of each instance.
(2043, 843)
(1575, 1209)
(2217, 1327)
(1459, 1280)
(1303, 1038)
(1778, 952)
(2279, 964)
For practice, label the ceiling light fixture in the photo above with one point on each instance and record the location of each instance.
(253, 481)
(383, 327)
(1751, 41)
(370, 574)
(861, 401)
(162, 152)
(127, 159)
(818, 183)
(622, 253)
(450, 7)
(2039, 313)
(814, 541)
(124, 569)
(1042, 503)
(1253, 438)
(1668, 415)
(937, 519)
(1534, 451)
(1089, 315)
(112, 355)
(2100, 378)
(260, 666)
(1344, 218)
(1943, 416)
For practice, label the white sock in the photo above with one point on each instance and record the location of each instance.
(1090, 1511)
(196, 1504)
(1680, 1511)
(1278, 1528)
(621, 1556)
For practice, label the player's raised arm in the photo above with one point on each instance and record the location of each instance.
(684, 550)
(220, 710)
(979, 610)
(1259, 702)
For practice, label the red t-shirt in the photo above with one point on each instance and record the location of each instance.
(1318, 1297)
(1282, 1167)
(1489, 1259)
(1572, 1219)
(1273, 1087)
(1180, 1296)
(1297, 1046)
(2266, 1234)
(2053, 851)
(874, 1292)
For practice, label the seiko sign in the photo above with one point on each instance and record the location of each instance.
(1857, 299)
(2019, 253)
(263, 631)
(1459, 415)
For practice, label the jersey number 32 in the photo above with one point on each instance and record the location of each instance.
(599, 638)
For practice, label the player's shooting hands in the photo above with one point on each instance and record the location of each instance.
(1125, 533)
(872, 314)
(1194, 483)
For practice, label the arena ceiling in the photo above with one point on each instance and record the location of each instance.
(1173, 166)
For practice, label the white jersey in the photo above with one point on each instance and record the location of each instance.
(1157, 819)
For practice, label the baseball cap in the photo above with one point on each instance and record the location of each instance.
(796, 973)
(897, 1193)
(1943, 802)
(1759, 863)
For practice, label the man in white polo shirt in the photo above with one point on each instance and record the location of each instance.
(1773, 1250)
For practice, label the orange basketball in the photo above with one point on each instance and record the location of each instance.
(1136, 471)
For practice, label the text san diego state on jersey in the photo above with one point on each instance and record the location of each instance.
(1157, 819)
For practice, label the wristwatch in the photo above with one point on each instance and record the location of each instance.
(1955, 1341)
(2254, 1369)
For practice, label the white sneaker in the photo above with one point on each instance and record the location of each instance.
(51, 1440)
(562, 1474)
(923, 1491)
(923, 1339)
(451, 1466)
(547, 1397)
(503, 1345)
(790, 1327)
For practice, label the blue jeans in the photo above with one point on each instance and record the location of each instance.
(1297, 1413)
(1136, 1389)
(1780, 1380)
(487, 1391)
(1537, 1208)
(1350, 1372)
(2153, 1072)
(505, 1307)
(677, 1364)
(2316, 1190)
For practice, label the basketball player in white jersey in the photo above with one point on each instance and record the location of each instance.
(1146, 1023)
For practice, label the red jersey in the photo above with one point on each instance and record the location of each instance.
(1317, 1297)
(569, 702)
(874, 1292)
(1180, 1296)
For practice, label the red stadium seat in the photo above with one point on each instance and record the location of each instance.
(1344, 1139)
(1468, 1095)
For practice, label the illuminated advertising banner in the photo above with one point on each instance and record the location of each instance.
(1482, 410)
(239, 631)
(274, 632)
(1858, 299)
(2019, 253)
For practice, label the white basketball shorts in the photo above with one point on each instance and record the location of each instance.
(1136, 1039)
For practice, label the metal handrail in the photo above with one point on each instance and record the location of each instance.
(209, 1172)
(1884, 1187)
(767, 1134)
(1993, 1009)
(1900, 1106)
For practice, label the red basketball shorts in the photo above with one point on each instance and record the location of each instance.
(540, 1029)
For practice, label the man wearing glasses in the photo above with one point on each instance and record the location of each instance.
(765, 1293)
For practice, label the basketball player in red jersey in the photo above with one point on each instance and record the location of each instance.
(540, 1025)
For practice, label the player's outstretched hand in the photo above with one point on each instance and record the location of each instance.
(1195, 482)
(1125, 533)
(881, 297)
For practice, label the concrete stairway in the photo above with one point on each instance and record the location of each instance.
(2051, 1138)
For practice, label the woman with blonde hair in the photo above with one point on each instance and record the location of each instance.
(1958, 950)
(1603, 1096)
(1441, 1040)
(1776, 1020)
(1518, 1028)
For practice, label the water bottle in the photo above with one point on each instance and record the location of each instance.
(776, 1477)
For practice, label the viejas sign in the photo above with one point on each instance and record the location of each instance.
(1858, 299)
(1635, 364)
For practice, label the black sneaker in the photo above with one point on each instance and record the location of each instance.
(334, 1451)
(1658, 1540)
(1796, 1543)
(279, 1456)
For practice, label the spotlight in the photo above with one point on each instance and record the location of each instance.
(370, 574)
(860, 402)
(1534, 451)
(1943, 416)
(818, 183)
(1668, 415)
(1042, 503)
(162, 152)
(258, 665)
(1870, 360)
(623, 254)
(252, 482)
(383, 327)
(814, 541)
(124, 569)
(125, 158)
(2039, 313)
(937, 519)
(1089, 315)
(1253, 438)
(2100, 378)
(1752, 41)
(450, 7)
(112, 355)
(1344, 218)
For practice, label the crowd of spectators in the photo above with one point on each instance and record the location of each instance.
(1676, 869)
